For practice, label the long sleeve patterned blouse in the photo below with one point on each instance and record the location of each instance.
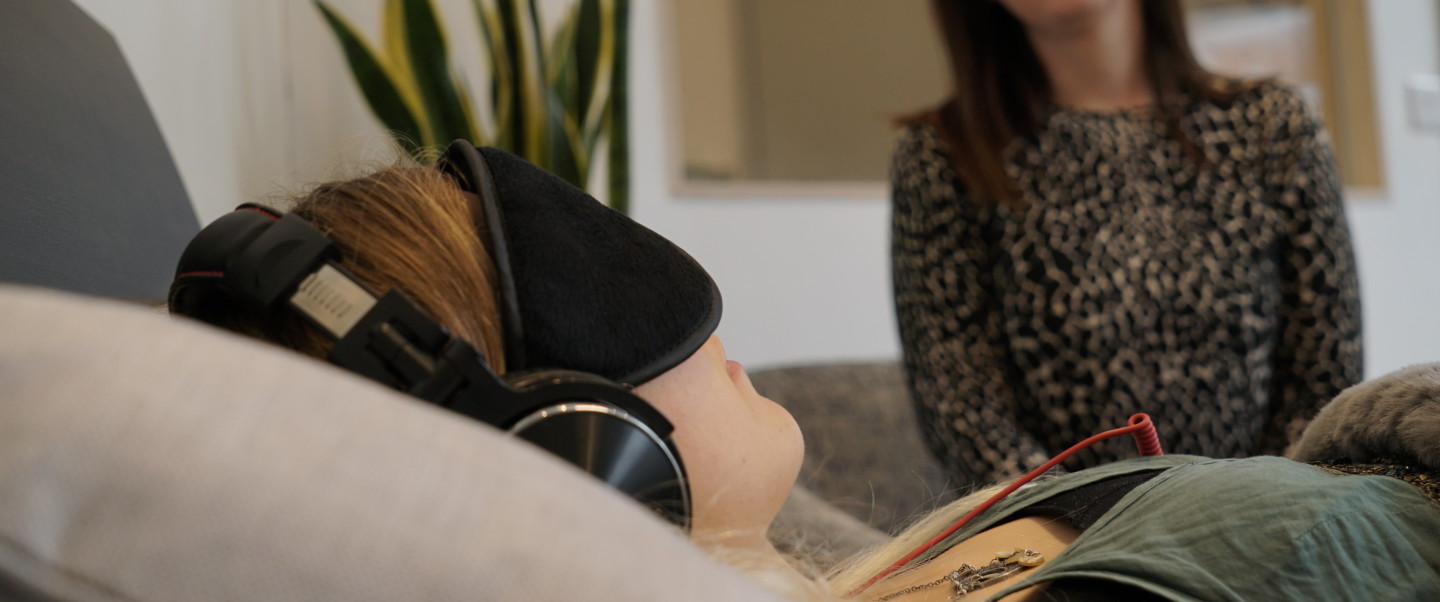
(1219, 296)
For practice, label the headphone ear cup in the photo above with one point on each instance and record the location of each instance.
(591, 423)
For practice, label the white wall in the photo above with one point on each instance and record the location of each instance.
(252, 95)
(1396, 236)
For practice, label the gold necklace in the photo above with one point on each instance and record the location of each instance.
(968, 578)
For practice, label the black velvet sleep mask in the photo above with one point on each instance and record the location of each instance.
(582, 286)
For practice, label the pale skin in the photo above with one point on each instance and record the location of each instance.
(742, 453)
(1091, 51)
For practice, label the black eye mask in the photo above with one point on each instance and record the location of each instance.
(583, 287)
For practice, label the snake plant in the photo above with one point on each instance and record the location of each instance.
(557, 105)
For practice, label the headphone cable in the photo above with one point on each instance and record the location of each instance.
(1139, 426)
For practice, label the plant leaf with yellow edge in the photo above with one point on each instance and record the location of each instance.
(429, 66)
(375, 81)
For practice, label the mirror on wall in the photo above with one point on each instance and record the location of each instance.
(800, 95)
(796, 90)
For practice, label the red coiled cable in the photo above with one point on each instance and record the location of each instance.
(1146, 440)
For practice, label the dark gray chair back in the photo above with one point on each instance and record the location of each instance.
(92, 202)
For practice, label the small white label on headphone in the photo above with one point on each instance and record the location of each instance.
(332, 300)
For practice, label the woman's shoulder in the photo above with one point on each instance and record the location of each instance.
(920, 151)
(1269, 102)
(917, 140)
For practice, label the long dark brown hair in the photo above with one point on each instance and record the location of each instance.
(1000, 91)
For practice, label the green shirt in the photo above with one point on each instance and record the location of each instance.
(1262, 528)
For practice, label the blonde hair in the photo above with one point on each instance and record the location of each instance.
(804, 582)
(407, 228)
(855, 571)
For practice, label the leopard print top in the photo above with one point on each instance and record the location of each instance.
(1220, 296)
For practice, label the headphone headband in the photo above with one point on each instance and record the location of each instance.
(591, 289)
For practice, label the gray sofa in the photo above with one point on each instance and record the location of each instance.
(863, 449)
(867, 472)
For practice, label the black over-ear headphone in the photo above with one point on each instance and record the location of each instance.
(258, 258)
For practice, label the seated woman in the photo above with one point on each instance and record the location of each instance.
(568, 315)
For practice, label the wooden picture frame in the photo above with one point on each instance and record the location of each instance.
(1322, 47)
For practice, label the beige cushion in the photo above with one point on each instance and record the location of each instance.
(144, 457)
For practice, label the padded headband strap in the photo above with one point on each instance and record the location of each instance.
(463, 162)
(584, 287)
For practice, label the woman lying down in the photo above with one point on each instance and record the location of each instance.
(591, 336)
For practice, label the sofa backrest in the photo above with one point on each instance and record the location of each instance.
(92, 200)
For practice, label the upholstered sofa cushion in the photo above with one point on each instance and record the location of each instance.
(143, 457)
(863, 448)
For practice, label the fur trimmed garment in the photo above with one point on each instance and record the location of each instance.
(1395, 417)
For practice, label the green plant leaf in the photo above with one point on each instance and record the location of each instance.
(429, 62)
(557, 105)
(603, 62)
(392, 33)
(375, 81)
(563, 151)
(529, 117)
(479, 136)
(560, 68)
(618, 123)
(586, 50)
(497, 51)
(509, 60)
(564, 128)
